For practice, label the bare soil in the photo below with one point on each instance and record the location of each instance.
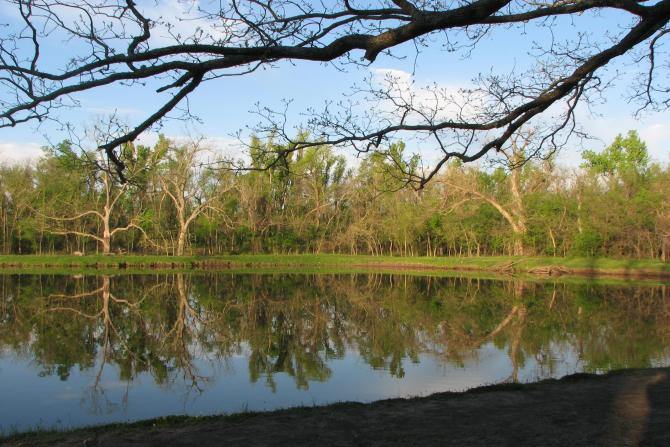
(626, 408)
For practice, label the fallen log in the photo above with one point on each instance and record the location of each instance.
(552, 270)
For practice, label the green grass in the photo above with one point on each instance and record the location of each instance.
(47, 435)
(521, 264)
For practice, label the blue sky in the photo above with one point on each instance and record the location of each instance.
(223, 104)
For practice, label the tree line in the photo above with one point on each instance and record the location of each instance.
(180, 200)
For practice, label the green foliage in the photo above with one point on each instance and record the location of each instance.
(587, 243)
(309, 200)
(388, 170)
(625, 155)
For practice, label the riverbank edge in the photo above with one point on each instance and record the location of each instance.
(152, 426)
(532, 265)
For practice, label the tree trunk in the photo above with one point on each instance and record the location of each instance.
(106, 235)
(519, 211)
(181, 241)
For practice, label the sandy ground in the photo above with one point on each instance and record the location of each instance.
(621, 409)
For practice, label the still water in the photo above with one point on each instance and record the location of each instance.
(82, 350)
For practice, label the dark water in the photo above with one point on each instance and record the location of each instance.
(89, 350)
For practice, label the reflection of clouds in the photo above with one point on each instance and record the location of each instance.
(432, 374)
(114, 385)
(68, 395)
(488, 366)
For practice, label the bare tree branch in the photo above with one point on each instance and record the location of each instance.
(121, 42)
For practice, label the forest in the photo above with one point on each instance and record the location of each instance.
(179, 200)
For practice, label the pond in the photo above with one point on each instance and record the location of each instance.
(78, 350)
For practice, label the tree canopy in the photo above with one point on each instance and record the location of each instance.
(315, 202)
(626, 154)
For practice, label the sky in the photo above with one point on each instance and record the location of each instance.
(223, 106)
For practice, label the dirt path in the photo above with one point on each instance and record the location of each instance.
(621, 409)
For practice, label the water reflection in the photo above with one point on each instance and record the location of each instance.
(158, 336)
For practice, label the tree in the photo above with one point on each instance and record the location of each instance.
(104, 195)
(622, 178)
(662, 218)
(494, 190)
(626, 156)
(317, 182)
(190, 187)
(16, 197)
(124, 42)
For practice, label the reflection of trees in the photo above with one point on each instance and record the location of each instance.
(165, 325)
(622, 326)
(106, 320)
(178, 340)
(15, 317)
(287, 329)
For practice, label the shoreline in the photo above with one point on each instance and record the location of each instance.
(536, 266)
(625, 407)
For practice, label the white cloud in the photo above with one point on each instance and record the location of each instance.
(184, 18)
(215, 147)
(439, 97)
(657, 137)
(654, 130)
(14, 152)
(402, 76)
(218, 146)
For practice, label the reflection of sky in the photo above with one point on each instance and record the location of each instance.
(50, 402)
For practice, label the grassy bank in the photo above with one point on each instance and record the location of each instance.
(502, 264)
